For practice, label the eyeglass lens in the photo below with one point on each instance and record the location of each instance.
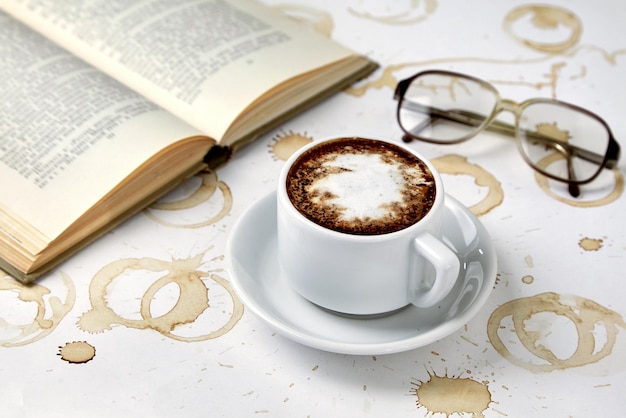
(555, 138)
(561, 141)
(442, 108)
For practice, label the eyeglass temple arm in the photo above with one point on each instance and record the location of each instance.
(475, 120)
(573, 188)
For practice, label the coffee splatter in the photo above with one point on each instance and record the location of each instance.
(77, 352)
(590, 244)
(452, 395)
(192, 300)
(587, 317)
(537, 20)
(458, 165)
(387, 78)
(204, 192)
(529, 261)
(47, 310)
(549, 80)
(552, 131)
(286, 143)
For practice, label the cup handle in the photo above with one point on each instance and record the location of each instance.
(447, 266)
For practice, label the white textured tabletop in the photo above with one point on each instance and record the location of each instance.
(145, 321)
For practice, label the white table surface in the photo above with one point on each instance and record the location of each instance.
(560, 260)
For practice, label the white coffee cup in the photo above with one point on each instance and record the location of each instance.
(363, 272)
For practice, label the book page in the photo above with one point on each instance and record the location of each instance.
(203, 60)
(68, 133)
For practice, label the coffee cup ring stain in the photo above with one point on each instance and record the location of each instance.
(49, 312)
(192, 301)
(454, 164)
(611, 196)
(587, 317)
(209, 184)
(544, 18)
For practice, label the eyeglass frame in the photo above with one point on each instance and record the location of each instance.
(608, 161)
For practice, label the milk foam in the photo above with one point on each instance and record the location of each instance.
(362, 184)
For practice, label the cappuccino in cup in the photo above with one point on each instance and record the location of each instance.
(361, 186)
(359, 227)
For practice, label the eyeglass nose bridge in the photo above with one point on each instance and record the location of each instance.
(502, 127)
(509, 106)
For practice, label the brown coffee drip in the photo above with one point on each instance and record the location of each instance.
(417, 191)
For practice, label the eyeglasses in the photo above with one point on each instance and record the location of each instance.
(561, 141)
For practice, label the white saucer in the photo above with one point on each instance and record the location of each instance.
(257, 279)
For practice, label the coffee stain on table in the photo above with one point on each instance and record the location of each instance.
(542, 18)
(588, 318)
(191, 302)
(206, 190)
(284, 144)
(529, 261)
(544, 21)
(610, 196)
(77, 352)
(389, 13)
(458, 165)
(452, 395)
(590, 244)
(49, 310)
(387, 78)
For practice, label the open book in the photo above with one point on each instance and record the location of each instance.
(105, 105)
